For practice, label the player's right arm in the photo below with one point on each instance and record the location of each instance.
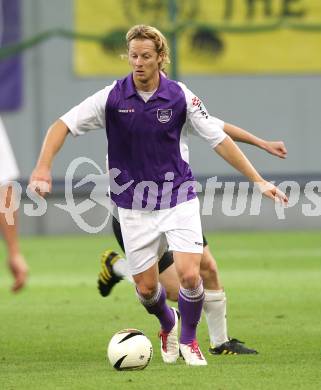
(40, 179)
(86, 116)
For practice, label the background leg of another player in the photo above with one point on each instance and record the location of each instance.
(121, 269)
(169, 279)
(215, 300)
(16, 261)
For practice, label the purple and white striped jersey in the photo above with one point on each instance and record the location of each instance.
(147, 141)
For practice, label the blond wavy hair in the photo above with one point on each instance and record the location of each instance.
(142, 31)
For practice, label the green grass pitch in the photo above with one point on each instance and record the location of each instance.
(53, 335)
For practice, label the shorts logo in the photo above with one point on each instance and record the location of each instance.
(164, 115)
(198, 243)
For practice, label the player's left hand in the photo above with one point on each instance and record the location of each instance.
(271, 191)
(277, 148)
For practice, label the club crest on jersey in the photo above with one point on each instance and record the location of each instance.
(164, 115)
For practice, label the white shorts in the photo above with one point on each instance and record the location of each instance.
(148, 234)
(8, 166)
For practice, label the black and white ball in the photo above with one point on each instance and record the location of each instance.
(129, 349)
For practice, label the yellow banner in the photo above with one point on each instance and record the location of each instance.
(215, 36)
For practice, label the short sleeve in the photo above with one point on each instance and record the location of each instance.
(200, 121)
(89, 114)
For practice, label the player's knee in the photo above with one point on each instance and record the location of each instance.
(146, 290)
(190, 279)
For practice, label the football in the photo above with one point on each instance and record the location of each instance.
(129, 349)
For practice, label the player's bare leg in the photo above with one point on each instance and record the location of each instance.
(16, 262)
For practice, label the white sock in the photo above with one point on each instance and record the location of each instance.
(121, 269)
(215, 312)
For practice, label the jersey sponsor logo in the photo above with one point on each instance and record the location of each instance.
(164, 115)
(126, 110)
(198, 103)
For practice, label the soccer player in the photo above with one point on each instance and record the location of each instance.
(151, 182)
(9, 171)
(114, 268)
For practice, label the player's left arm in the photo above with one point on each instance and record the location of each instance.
(277, 148)
(211, 129)
(231, 153)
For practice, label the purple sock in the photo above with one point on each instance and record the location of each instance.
(190, 303)
(157, 305)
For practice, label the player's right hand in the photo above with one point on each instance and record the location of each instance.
(41, 181)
